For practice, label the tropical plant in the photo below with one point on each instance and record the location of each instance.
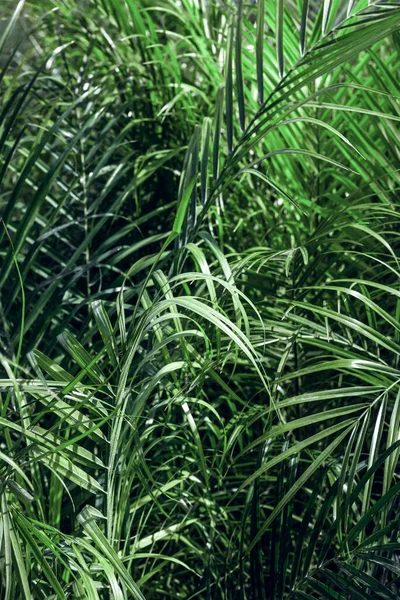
(199, 300)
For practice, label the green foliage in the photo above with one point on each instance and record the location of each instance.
(199, 300)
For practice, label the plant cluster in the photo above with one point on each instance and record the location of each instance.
(199, 300)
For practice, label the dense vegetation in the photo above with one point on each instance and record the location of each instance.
(200, 300)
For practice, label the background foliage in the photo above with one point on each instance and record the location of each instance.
(200, 299)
